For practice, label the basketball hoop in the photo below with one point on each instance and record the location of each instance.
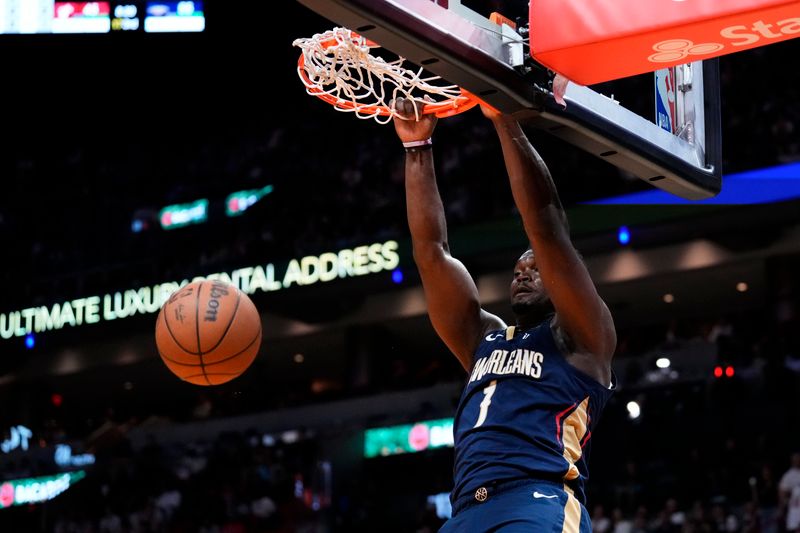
(337, 67)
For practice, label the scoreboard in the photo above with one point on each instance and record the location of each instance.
(115, 16)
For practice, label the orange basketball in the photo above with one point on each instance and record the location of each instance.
(208, 332)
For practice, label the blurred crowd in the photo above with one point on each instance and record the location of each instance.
(703, 452)
(67, 214)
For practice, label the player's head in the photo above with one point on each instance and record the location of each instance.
(528, 295)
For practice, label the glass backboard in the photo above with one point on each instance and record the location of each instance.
(491, 60)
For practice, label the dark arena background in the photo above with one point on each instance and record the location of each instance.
(343, 423)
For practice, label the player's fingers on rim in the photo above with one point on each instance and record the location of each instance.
(400, 105)
(396, 105)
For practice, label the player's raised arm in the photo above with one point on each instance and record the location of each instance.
(450, 292)
(583, 319)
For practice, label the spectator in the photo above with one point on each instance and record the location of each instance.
(765, 499)
(789, 488)
(600, 522)
(621, 524)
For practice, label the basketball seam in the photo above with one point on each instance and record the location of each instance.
(197, 329)
(215, 362)
(169, 329)
(214, 374)
(205, 375)
(228, 327)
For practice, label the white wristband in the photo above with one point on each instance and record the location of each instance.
(415, 144)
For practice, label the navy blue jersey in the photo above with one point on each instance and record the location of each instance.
(525, 413)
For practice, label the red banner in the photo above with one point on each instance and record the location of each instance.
(592, 41)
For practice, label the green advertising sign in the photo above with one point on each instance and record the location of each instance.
(408, 438)
(37, 489)
(238, 202)
(180, 215)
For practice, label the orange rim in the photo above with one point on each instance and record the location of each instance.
(446, 108)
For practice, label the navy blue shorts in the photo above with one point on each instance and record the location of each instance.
(526, 506)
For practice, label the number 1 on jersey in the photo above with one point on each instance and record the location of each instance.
(488, 392)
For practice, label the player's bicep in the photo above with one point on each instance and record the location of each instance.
(582, 313)
(453, 304)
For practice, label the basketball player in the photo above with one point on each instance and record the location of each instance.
(535, 389)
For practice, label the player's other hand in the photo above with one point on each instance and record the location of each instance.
(407, 125)
(493, 114)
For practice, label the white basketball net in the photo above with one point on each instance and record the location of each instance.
(339, 68)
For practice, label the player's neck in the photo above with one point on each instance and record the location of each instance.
(532, 318)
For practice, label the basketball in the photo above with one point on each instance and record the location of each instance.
(208, 332)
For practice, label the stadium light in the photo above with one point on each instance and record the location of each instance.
(397, 276)
(623, 235)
